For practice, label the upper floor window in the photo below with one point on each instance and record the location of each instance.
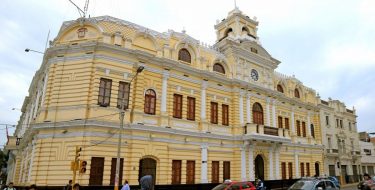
(227, 32)
(123, 95)
(104, 92)
(298, 128)
(219, 68)
(280, 88)
(327, 120)
(253, 50)
(177, 106)
(312, 130)
(258, 114)
(350, 126)
(214, 112)
(150, 101)
(286, 123)
(296, 93)
(225, 114)
(184, 55)
(190, 108)
(280, 121)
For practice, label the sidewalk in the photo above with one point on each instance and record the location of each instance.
(350, 185)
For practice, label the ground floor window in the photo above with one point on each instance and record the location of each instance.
(190, 172)
(176, 171)
(96, 171)
(226, 168)
(215, 172)
(332, 171)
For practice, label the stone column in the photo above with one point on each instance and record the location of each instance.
(296, 162)
(243, 163)
(164, 92)
(251, 163)
(44, 87)
(240, 102)
(36, 104)
(268, 112)
(248, 109)
(274, 113)
(277, 163)
(203, 101)
(204, 164)
(270, 158)
(33, 147)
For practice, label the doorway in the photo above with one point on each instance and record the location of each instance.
(259, 167)
(147, 166)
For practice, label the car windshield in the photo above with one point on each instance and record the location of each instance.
(301, 185)
(220, 187)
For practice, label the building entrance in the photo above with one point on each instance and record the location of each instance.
(259, 167)
(147, 166)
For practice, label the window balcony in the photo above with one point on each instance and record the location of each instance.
(261, 132)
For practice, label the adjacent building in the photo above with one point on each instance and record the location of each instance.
(367, 153)
(196, 113)
(342, 153)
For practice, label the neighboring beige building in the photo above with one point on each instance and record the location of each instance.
(340, 140)
(368, 155)
(197, 114)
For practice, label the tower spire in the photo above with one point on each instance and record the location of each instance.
(235, 4)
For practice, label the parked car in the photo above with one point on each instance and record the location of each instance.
(232, 185)
(335, 181)
(313, 184)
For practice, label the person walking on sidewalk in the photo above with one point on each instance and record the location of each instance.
(126, 186)
(10, 187)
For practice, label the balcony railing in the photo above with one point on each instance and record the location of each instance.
(271, 131)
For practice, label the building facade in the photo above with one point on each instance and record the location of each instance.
(196, 114)
(342, 154)
(367, 153)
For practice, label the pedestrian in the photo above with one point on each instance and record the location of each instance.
(146, 182)
(10, 186)
(126, 186)
(32, 187)
(69, 185)
(367, 183)
(76, 186)
(260, 185)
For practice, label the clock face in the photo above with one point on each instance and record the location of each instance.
(254, 74)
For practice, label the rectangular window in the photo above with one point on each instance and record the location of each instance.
(298, 128)
(104, 92)
(327, 120)
(283, 170)
(113, 171)
(337, 122)
(280, 121)
(225, 114)
(190, 172)
(191, 108)
(332, 171)
(290, 168)
(215, 172)
(302, 167)
(308, 169)
(329, 143)
(286, 120)
(341, 125)
(214, 112)
(177, 106)
(350, 126)
(226, 168)
(123, 95)
(303, 129)
(176, 171)
(96, 171)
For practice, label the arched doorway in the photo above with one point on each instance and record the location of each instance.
(317, 172)
(258, 114)
(259, 167)
(147, 166)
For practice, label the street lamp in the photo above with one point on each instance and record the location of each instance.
(122, 114)
(28, 50)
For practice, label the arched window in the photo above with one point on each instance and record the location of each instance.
(312, 130)
(280, 88)
(258, 114)
(219, 68)
(150, 101)
(244, 29)
(296, 93)
(227, 32)
(184, 55)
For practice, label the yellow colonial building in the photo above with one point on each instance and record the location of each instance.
(196, 114)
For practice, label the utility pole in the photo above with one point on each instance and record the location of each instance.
(124, 106)
(75, 163)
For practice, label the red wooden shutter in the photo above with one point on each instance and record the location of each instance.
(302, 169)
(176, 171)
(308, 169)
(96, 171)
(298, 128)
(215, 172)
(286, 123)
(290, 167)
(225, 114)
(280, 121)
(177, 106)
(190, 172)
(283, 170)
(214, 112)
(104, 92)
(191, 108)
(303, 129)
(226, 168)
(113, 171)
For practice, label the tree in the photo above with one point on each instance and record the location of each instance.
(3, 165)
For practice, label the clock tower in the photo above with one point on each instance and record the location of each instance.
(238, 40)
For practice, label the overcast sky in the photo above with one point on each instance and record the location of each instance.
(327, 44)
